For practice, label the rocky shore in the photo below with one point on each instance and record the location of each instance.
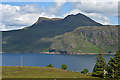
(59, 53)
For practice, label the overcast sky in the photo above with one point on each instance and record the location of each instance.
(16, 15)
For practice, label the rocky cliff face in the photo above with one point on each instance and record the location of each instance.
(89, 39)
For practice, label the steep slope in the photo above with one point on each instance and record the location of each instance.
(29, 38)
(89, 39)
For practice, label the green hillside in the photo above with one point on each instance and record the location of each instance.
(87, 39)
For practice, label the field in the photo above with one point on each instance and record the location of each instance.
(39, 72)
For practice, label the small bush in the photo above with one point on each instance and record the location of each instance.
(69, 70)
(85, 71)
(50, 65)
(64, 67)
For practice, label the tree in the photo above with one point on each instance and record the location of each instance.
(100, 66)
(50, 65)
(114, 66)
(64, 67)
(111, 68)
(52, 50)
(85, 71)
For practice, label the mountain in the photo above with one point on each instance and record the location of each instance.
(29, 39)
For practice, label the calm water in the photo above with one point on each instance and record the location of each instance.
(74, 62)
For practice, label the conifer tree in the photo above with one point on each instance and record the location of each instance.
(111, 68)
(114, 66)
(100, 66)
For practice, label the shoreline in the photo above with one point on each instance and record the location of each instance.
(59, 53)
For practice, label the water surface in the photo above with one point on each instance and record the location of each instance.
(74, 62)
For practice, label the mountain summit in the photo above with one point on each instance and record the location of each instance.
(43, 19)
(72, 20)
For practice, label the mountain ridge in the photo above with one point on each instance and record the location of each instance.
(40, 19)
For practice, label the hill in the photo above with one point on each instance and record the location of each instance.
(87, 39)
(29, 38)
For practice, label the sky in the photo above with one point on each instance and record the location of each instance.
(17, 15)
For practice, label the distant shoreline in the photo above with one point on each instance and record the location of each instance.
(59, 53)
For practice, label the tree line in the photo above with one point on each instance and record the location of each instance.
(102, 68)
(110, 69)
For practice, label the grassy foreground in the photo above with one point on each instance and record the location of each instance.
(39, 72)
